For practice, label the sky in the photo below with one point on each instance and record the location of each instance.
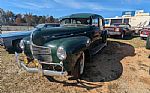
(59, 8)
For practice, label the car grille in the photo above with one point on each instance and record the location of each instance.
(41, 53)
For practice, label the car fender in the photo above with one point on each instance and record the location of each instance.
(72, 45)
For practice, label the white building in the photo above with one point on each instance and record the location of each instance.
(137, 19)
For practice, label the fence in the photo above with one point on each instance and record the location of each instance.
(16, 28)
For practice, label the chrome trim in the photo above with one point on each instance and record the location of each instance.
(41, 52)
(39, 69)
(43, 47)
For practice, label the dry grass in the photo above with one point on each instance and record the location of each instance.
(116, 69)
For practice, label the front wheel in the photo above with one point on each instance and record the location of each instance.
(79, 67)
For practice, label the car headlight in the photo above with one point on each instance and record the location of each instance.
(21, 44)
(61, 53)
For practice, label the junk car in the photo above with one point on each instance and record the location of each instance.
(66, 49)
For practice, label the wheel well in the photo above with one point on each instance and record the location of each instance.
(14, 41)
(87, 55)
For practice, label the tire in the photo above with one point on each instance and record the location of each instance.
(79, 67)
(141, 38)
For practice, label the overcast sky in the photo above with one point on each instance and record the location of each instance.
(58, 8)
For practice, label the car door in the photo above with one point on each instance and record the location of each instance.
(97, 23)
(96, 32)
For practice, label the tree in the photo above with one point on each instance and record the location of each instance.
(35, 19)
(10, 17)
(18, 20)
(42, 20)
(50, 19)
(28, 18)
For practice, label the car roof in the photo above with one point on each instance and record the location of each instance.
(82, 15)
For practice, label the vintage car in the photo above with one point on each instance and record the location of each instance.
(63, 50)
(145, 32)
(120, 29)
(11, 41)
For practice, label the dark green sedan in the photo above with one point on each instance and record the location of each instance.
(66, 49)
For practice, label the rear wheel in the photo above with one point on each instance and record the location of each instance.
(79, 67)
(141, 38)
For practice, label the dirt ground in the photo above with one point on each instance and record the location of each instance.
(122, 67)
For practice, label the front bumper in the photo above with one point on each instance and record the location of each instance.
(142, 35)
(38, 69)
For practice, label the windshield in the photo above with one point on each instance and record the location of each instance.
(121, 25)
(76, 21)
(37, 27)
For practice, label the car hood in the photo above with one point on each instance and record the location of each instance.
(46, 35)
(12, 34)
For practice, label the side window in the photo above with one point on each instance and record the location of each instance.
(95, 22)
(101, 24)
(49, 26)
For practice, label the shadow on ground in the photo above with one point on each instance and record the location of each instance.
(128, 37)
(105, 66)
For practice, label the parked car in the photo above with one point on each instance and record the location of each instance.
(64, 50)
(11, 41)
(145, 32)
(120, 29)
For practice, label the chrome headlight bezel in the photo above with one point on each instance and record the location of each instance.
(61, 53)
(21, 44)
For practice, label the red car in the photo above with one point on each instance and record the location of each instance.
(119, 29)
(145, 32)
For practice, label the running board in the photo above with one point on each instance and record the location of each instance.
(98, 48)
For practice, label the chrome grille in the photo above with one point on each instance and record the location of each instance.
(41, 53)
